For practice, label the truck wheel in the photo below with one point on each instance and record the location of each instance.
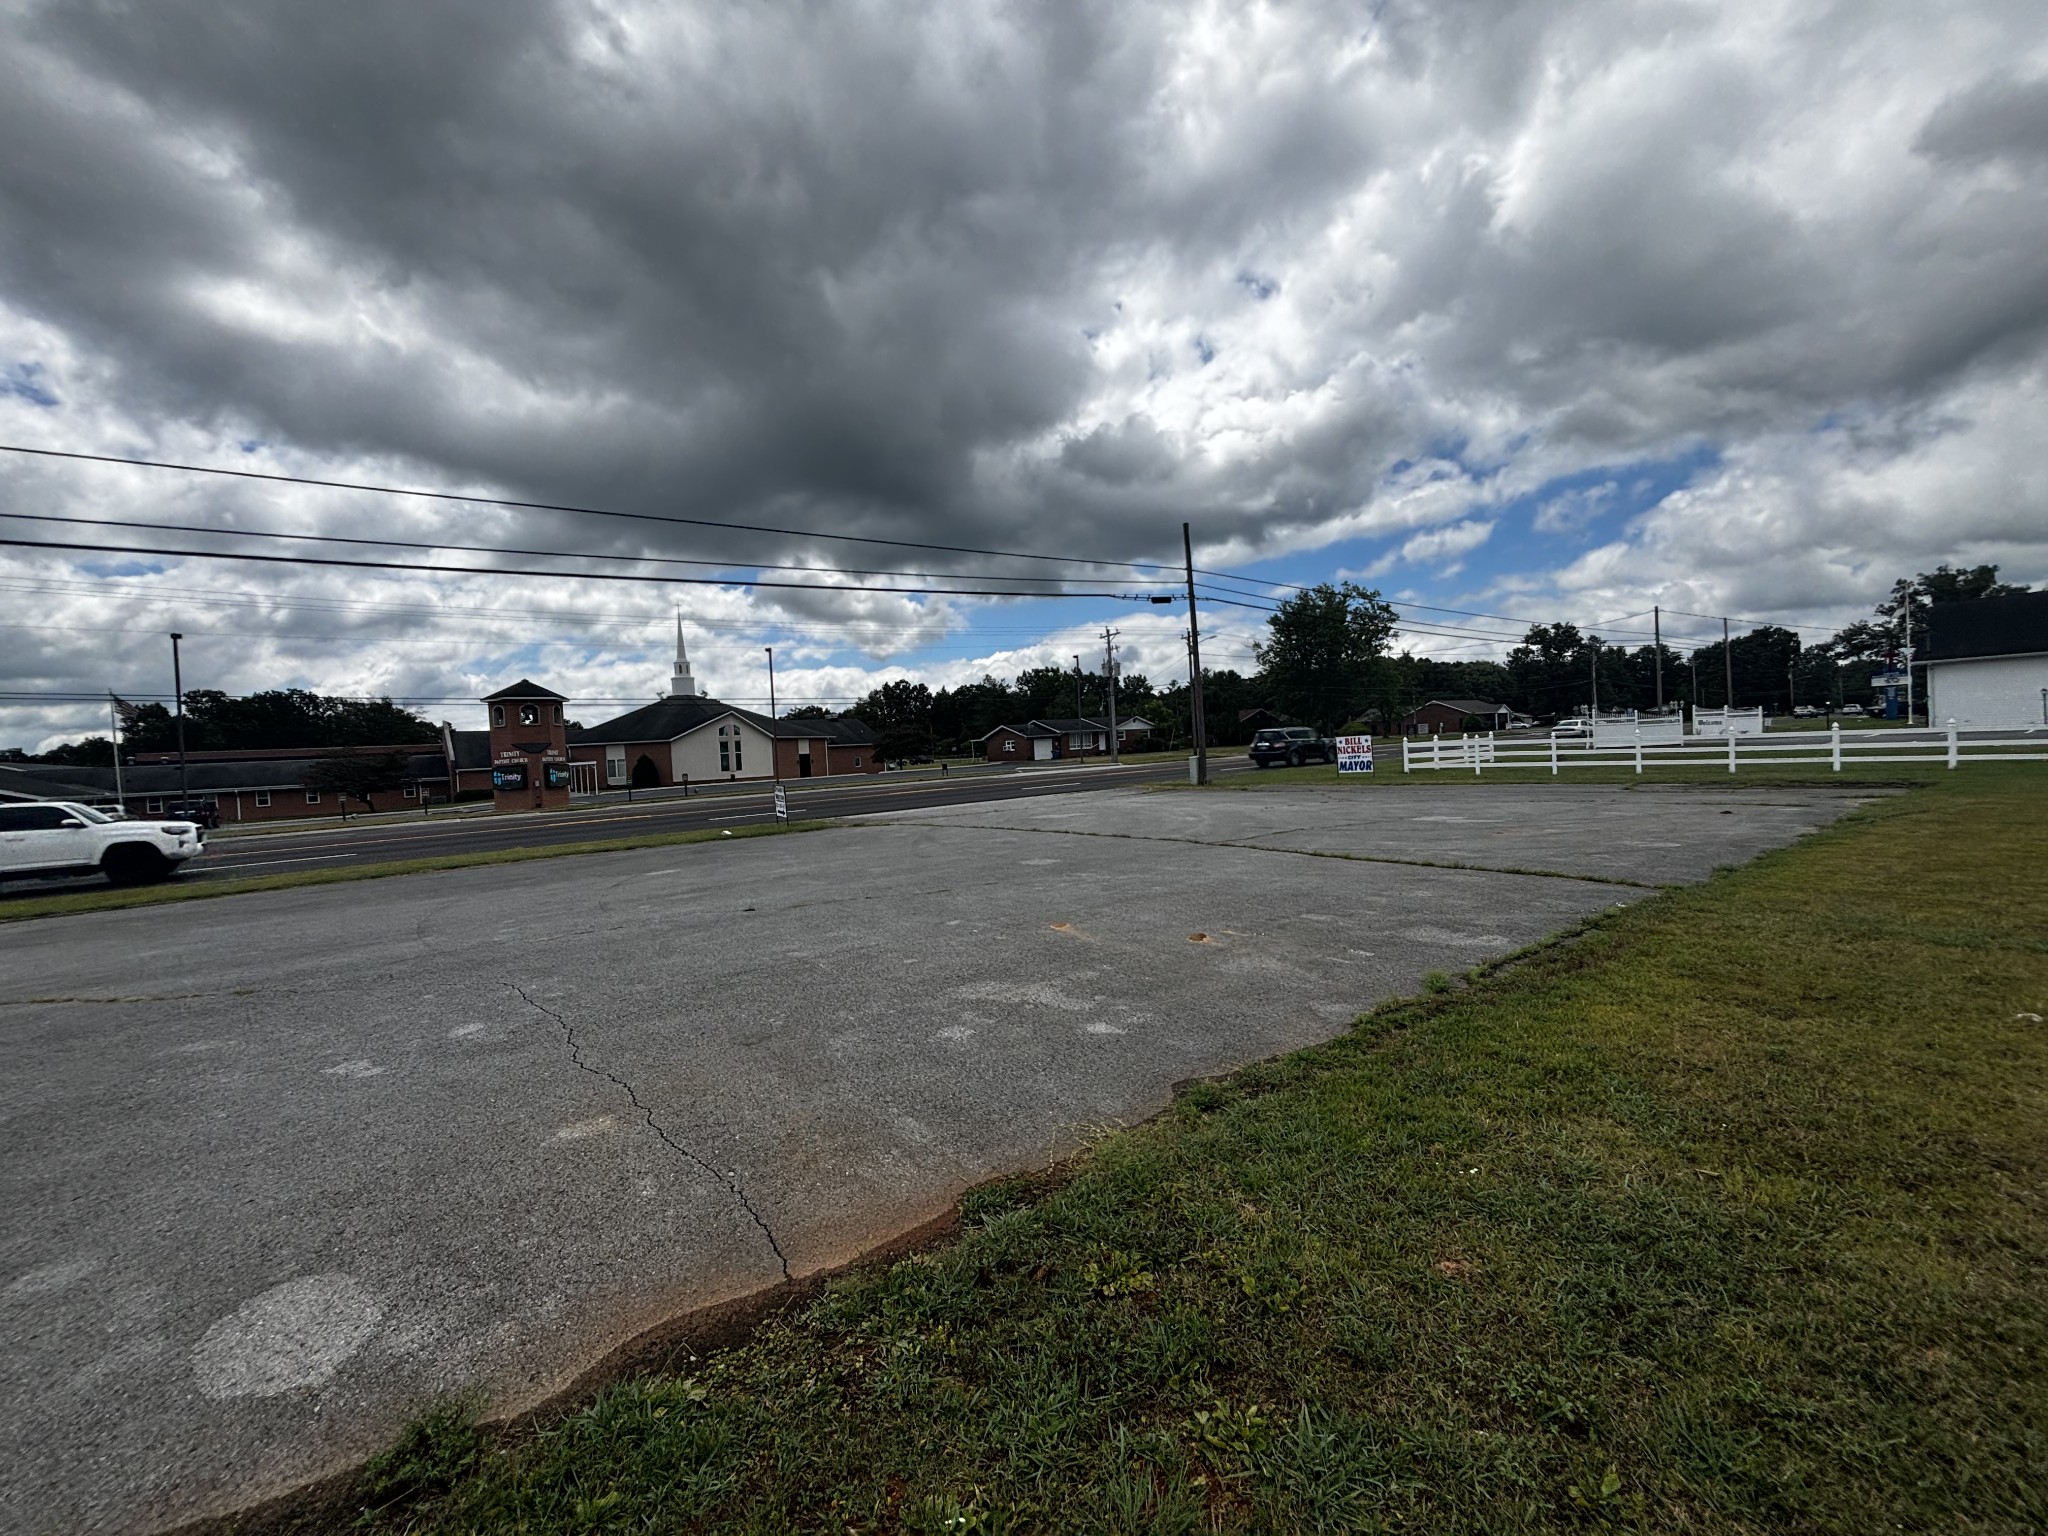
(135, 864)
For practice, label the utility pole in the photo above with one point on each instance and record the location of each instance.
(1594, 717)
(1657, 631)
(1728, 666)
(1198, 714)
(1109, 662)
(178, 688)
(775, 741)
(1079, 712)
(114, 719)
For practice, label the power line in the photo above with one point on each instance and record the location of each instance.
(484, 570)
(115, 587)
(549, 506)
(496, 549)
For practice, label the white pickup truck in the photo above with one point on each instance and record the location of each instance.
(58, 837)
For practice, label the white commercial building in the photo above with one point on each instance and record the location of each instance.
(1987, 662)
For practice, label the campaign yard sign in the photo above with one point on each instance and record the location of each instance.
(1354, 754)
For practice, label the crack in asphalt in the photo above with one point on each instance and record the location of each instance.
(1303, 853)
(724, 1177)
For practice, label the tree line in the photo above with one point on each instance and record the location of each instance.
(1326, 661)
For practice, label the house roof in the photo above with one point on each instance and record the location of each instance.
(525, 688)
(663, 720)
(680, 714)
(44, 781)
(1989, 626)
(1034, 729)
(840, 730)
(1464, 706)
(1068, 727)
(52, 781)
(472, 749)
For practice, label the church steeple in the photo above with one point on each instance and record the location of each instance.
(682, 685)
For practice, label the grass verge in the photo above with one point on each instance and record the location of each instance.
(1723, 1216)
(116, 898)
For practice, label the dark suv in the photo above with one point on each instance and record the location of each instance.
(1292, 745)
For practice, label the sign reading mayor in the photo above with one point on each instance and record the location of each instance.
(1354, 754)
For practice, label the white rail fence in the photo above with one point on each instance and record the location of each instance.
(1834, 747)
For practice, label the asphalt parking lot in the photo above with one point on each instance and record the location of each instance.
(283, 1168)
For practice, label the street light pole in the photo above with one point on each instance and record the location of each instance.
(774, 740)
(1728, 666)
(178, 688)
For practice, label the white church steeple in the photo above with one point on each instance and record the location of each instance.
(682, 685)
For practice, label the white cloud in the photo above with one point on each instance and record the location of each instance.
(1051, 279)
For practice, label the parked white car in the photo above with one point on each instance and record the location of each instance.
(59, 837)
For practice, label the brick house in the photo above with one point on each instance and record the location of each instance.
(1043, 740)
(1448, 717)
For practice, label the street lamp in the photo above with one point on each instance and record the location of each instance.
(178, 688)
(774, 741)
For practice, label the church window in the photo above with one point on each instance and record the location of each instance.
(615, 766)
(529, 714)
(497, 714)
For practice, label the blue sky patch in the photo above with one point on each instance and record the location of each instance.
(24, 381)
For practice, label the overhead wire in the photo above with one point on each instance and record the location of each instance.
(477, 570)
(566, 507)
(496, 549)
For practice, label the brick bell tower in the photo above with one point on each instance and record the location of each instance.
(529, 748)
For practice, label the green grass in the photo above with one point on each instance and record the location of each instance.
(117, 898)
(1724, 1215)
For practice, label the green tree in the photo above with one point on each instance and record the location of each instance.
(1320, 649)
(901, 714)
(93, 752)
(359, 775)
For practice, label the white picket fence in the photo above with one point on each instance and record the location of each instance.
(1833, 747)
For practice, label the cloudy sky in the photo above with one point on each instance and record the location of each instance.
(1554, 309)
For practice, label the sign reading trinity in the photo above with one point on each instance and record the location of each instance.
(529, 748)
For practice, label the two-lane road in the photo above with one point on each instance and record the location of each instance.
(380, 842)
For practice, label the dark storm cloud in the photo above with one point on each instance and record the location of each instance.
(1034, 275)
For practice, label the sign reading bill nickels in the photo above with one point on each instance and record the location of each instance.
(1354, 754)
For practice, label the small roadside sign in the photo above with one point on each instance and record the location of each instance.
(1888, 680)
(1354, 754)
(781, 804)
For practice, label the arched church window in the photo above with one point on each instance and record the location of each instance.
(529, 714)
